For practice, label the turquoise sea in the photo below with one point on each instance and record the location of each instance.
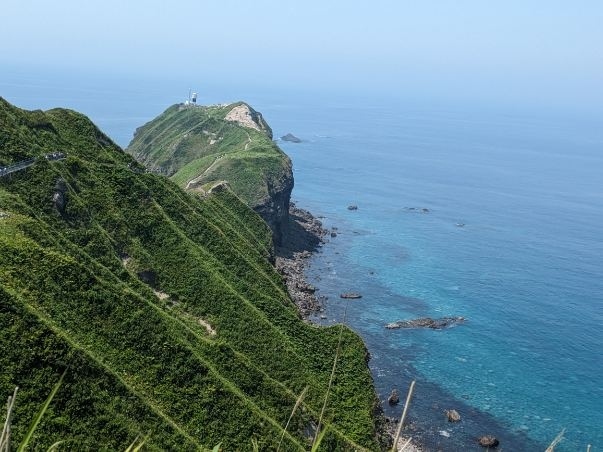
(526, 269)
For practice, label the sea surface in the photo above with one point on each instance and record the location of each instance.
(490, 214)
(511, 240)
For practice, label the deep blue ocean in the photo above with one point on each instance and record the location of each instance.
(525, 269)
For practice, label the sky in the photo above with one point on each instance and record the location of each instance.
(544, 52)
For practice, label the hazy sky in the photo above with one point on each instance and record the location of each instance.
(536, 50)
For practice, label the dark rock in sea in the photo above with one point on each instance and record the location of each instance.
(353, 207)
(453, 415)
(488, 441)
(350, 295)
(417, 209)
(394, 397)
(460, 225)
(291, 138)
(426, 322)
(333, 234)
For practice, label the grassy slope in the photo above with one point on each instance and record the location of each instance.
(179, 143)
(70, 297)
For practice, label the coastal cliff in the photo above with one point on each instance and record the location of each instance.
(200, 146)
(160, 309)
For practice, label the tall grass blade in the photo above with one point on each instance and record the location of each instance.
(131, 446)
(40, 414)
(137, 448)
(134, 447)
(406, 405)
(556, 441)
(5, 437)
(324, 405)
(318, 439)
(298, 402)
(406, 444)
(255, 445)
(55, 446)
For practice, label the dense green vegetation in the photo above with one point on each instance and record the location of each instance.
(161, 305)
(197, 144)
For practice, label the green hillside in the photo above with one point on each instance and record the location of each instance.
(161, 305)
(196, 145)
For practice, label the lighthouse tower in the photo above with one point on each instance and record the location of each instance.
(192, 98)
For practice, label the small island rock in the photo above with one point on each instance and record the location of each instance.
(291, 138)
(353, 207)
(350, 295)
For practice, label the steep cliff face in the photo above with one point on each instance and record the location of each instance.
(199, 146)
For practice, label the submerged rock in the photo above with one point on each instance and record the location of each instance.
(488, 441)
(426, 322)
(350, 295)
(352, 207)
(453, 415)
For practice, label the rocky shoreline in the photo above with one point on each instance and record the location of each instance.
(303, 235)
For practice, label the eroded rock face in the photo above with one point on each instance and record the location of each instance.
(426, 322)
(246, 116)
(275, 207)
(59, 196)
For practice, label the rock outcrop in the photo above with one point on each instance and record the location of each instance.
(350, 295)
(274, 208)
(394, 397)
(59, 196)
(246, 116)
(426, 322)
(488, 441)
(453, 416)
